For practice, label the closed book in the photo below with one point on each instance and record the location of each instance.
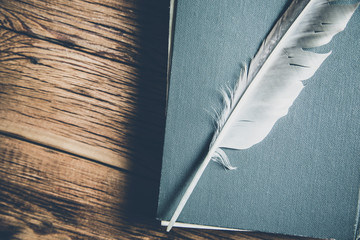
(303, 178)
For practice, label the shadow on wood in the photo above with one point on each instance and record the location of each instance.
(149, 121)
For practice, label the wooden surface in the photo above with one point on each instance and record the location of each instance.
(82, 102)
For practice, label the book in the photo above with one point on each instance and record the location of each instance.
(303, 178)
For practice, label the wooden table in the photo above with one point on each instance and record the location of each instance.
(82, 112)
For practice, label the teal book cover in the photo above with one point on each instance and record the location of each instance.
(303, 179)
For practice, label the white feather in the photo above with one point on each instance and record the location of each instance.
(265, 93)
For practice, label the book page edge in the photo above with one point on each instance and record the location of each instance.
(189, 225)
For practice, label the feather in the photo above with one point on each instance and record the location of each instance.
(268, 87)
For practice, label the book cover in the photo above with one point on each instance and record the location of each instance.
(303, 178)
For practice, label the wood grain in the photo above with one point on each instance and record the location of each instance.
(108, 28)
(79, 97)
(82, 103)
(85, 97)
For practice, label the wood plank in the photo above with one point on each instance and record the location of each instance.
(70, 94)
(50, 88)
(112, 29)
(46, 194)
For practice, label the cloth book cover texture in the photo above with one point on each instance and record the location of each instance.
(303, 178)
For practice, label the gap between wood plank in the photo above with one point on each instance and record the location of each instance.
(63, 144)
